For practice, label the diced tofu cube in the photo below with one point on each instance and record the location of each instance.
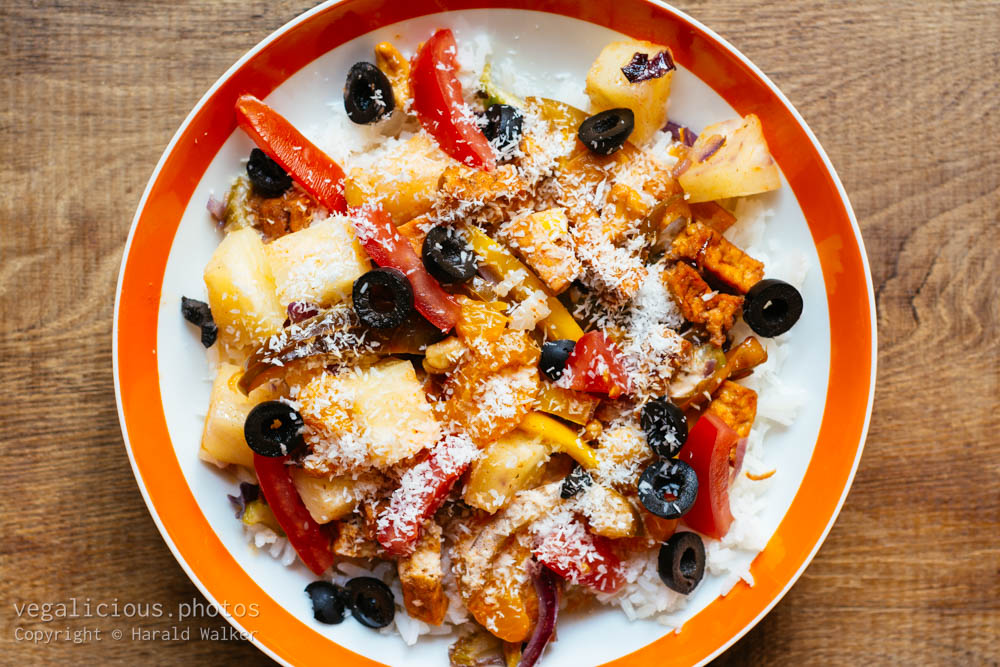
(328, 498)
(404, 179)
(422, 578)
(382, 410)
(716, 255)
(222, 438)
(542, 240)
(608, 88)
(736, 406)
(742, 166)
(700, 304)
(241, 290)
(319, 263)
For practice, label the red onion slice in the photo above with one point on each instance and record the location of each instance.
(216, 208)
(680, 133)
(736, 458)
(711, 147)
(547, 587)
(644, 68)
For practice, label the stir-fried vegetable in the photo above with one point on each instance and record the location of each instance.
(707, 451)
(560, 435)
(595, 366)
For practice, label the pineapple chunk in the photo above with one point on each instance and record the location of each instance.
(404, 180)
(222, 438)
(508, 465)
(608, 88)
(742, 166)
(241, 290)
(383, 407)
(328, 499)
(319, 263)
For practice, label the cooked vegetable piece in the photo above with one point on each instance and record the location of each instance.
(555, 354)
(665, 427)
(329, 498)
(707, 452)
(493, 93)
(396, 67)
(573, 406)
(328, 601)
(606, 132)
(368, 96)
(274, 429)
(266, 176)
(559, 323)
(199, 314)
(437, 99)
(504, 128)
(388, 249)
(668, 488)
(513, 462)
(258, 512)
(307, 537)
(222, 439)
(595, 366)
(312, 168)
(734, 162)
(299, 311)
(656, 528)
(371, 601)
(710, 367)
(383, 298)
(561, 436)
(714, 253)
(543, 241)
(481, 320)
(577, 480)
(422, 578)
(448, 256)
(681, 562)
(642, 67)
(422, 491)
(585, 559)
(772, 307)
(248, 493)
(506, 602)
(608, 86)
(680, 133)
(241, 290)
(547, 588)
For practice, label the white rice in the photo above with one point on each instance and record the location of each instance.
(643, 596)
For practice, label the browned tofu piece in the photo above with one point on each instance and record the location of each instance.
(717, 313)
(722, 259)
(481, 196)
(423, 579)
(542, 240)
(736, 405)
(352, 539)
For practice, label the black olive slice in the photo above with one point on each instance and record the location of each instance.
(681, 563)
(448, 256)
(772, 307)
(504, 127)
(606, 132)
(665, 427)
(367, 94)
(555, 353)
(383, 298)
(273, 428)
(576, 481)
(371, 601)
(329, 602)
(668, 488)
(267, 177)
(199, 314)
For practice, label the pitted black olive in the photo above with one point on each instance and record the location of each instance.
(576, 481)
(371, 601)
(328, 600)
(772, 307)
(606, 132)
(555, 353)
(504, 127)
(266, 176)
(665, 427)
(367, 94)
(668, 488)
(448, 256)
(681, 563)
(273, 428)
(383, 298)
(199, 314)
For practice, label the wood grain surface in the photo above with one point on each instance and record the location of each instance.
(904, 96)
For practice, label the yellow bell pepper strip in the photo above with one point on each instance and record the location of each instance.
(559, 323)
(564, 438)
(573, 406)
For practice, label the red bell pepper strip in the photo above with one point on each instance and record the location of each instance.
(312, 168)
(309, 539)
(387, 247)
(707, 451)
(440, 107)
(594, 366)
(422, 491)
(583, 558)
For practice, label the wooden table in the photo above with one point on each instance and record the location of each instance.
(903, 95)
